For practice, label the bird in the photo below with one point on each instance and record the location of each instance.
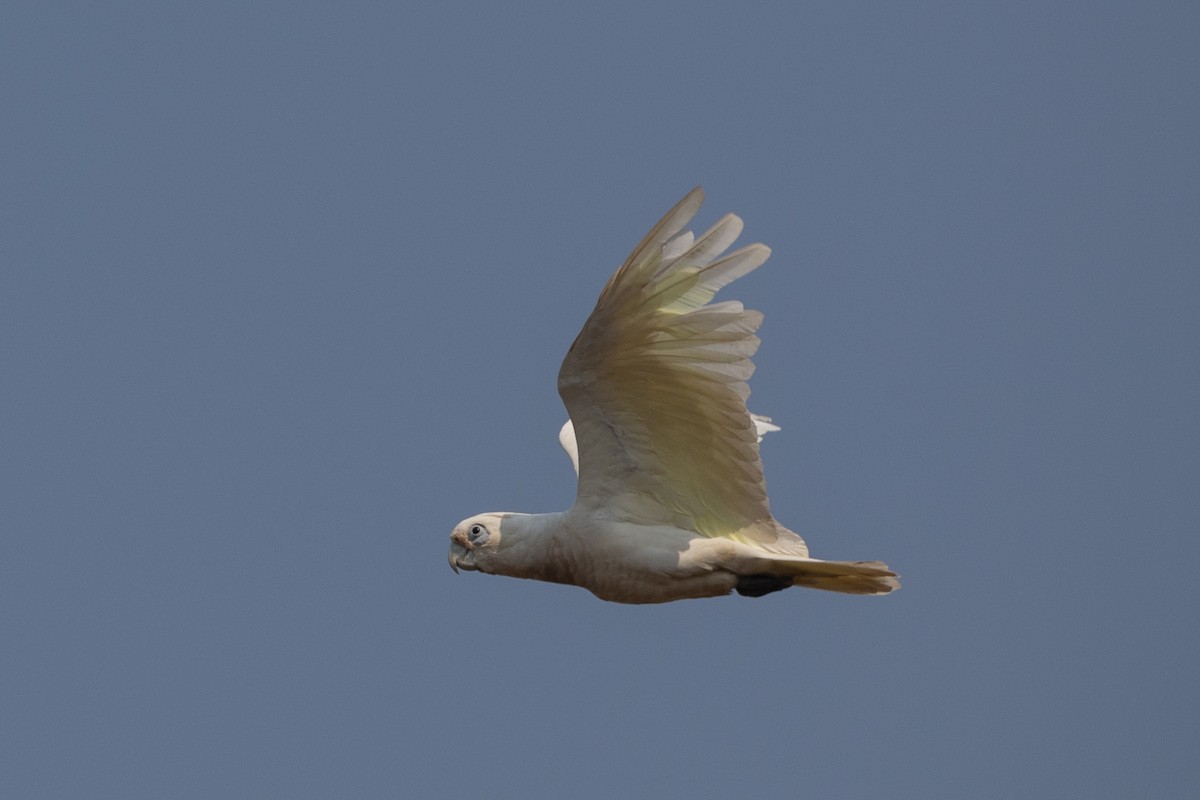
(670, 502)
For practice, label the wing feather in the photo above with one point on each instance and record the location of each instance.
(655, 385)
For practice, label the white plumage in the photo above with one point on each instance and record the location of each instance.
(566, 436)
(671, 501)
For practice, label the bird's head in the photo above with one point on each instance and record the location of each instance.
(474, 542)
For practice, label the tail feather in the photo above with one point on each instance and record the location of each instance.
(850, 577)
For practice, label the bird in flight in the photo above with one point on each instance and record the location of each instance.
(670, 502)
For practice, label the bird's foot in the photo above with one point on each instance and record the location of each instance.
(758, 585)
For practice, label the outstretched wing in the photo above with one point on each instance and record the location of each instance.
(655, 385)
(566, 436)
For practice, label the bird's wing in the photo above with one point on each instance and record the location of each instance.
(655, 384)
(566, 436)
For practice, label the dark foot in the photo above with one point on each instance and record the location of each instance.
(758, 585)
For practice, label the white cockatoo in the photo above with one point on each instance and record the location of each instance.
(671, 501)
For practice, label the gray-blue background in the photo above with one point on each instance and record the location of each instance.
(283, 292)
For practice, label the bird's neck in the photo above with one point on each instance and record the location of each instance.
(535, 546)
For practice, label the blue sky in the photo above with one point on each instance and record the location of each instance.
(284, 291)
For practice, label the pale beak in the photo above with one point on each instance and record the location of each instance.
(460, 556)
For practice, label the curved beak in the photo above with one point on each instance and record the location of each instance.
(460, 557)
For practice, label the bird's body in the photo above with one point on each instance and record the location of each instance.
(671, 501)
(628, 562)
(614, 560)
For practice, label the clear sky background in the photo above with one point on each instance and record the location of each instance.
(284, 288)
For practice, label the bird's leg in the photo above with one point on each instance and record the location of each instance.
(758, 585)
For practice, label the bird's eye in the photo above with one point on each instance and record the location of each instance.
(478, 534)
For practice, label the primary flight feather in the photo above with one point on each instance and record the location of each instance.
(671, 502)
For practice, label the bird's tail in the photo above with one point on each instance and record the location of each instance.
(851, 577)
